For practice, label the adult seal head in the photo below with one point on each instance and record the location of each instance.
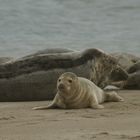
(77, 92)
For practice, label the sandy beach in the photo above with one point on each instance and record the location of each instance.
(117, 121)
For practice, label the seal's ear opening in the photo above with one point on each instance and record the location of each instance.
(119, 74)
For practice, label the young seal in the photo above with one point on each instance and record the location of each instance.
(77, 92)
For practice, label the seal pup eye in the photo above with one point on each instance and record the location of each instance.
(59, 80)
(70, 81)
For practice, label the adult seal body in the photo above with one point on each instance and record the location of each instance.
(77, 92)
(34, 78)
(133, 80)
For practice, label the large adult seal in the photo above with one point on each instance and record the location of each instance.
(133, 80)
(77, 92)
(125, 60)
(34, 78)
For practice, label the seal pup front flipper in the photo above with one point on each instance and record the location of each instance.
(51, 106)
(57, 103)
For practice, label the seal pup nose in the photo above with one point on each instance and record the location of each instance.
(61, 86)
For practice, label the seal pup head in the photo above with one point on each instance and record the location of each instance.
(67, 83)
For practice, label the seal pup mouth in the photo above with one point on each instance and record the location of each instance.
(61, 86)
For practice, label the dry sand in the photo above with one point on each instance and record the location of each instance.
(118, 121)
